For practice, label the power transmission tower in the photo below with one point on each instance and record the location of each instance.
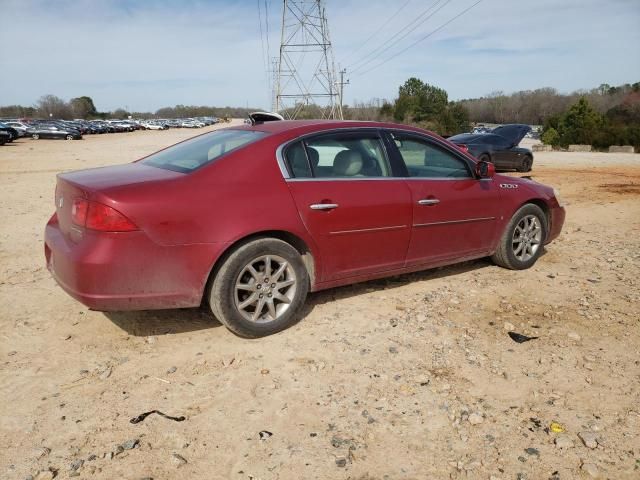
(306, 75)
(274, 83)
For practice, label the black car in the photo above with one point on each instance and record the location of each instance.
(53, 131)
(4, 137)
(500, 147)
(12, 132)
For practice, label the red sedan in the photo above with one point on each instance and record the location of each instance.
(251, 218)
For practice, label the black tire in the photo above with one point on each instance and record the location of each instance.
(222, 295)
(35, 136)
(505, 255)
(484, 157)
(69, 137)
(526, 164)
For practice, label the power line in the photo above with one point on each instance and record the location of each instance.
(384, 46)
(385, 24)
(265, 60)
(266, 21)
(421, 39)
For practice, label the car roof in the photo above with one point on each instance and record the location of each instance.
(309, 126)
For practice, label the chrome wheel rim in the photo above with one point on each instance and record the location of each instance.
(265, 289)
(527, 238)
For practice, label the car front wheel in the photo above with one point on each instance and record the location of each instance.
(260, 288)
(35, 136)
(522, 241)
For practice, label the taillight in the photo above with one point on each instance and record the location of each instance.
(97, 216)
(79, 211)
(463, 147)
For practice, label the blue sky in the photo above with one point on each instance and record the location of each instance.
(147, 54)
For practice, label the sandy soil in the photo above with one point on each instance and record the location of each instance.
(412, 377)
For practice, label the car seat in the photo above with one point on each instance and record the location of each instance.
(348, 163)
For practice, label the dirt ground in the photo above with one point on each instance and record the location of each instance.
(412, 377)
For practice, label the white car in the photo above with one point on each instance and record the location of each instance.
(19, 126)
(190, 124)
(153, 126)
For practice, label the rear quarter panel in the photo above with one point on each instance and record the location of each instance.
(239, 195)
(239, 192)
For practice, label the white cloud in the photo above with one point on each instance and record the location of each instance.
(145, 55)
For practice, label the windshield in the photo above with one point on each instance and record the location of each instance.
(192, 154)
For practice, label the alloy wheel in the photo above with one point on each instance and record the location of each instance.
(265, 288)
(527, 238)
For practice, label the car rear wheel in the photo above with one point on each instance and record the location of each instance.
(526, 164)
(69, 137)
(260, 288)
(522, 241)
(35, 136)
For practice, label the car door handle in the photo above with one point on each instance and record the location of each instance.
(323, 206)
(428, 201)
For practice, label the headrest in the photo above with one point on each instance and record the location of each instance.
(314, 156)
(347, 163)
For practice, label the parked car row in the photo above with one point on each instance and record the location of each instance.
(165, 123)
(11, 129)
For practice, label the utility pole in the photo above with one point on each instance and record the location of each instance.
(306, 74)
(341, 84)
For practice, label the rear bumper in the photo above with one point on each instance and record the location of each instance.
(127, 271)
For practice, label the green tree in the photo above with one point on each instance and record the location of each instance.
(418, 101)
(432, 102)
(550, 137)
(460, 116)
(83, 107)
(120, 113)
(580, 124)
(386, 111)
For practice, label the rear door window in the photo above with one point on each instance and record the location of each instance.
(347, 155)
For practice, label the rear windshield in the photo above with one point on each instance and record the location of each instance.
(192, 154)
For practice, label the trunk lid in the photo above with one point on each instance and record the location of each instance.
(88, 183)
(514, 132)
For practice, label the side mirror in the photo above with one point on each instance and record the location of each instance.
(485, 170)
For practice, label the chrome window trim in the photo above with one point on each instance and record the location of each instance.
(282, 164)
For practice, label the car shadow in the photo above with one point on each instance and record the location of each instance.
(145, 323)
(163, 322)
(349, 291)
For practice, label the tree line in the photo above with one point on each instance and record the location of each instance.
(603, 116)
(51, 106)
(582, 123)
(534, 107)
